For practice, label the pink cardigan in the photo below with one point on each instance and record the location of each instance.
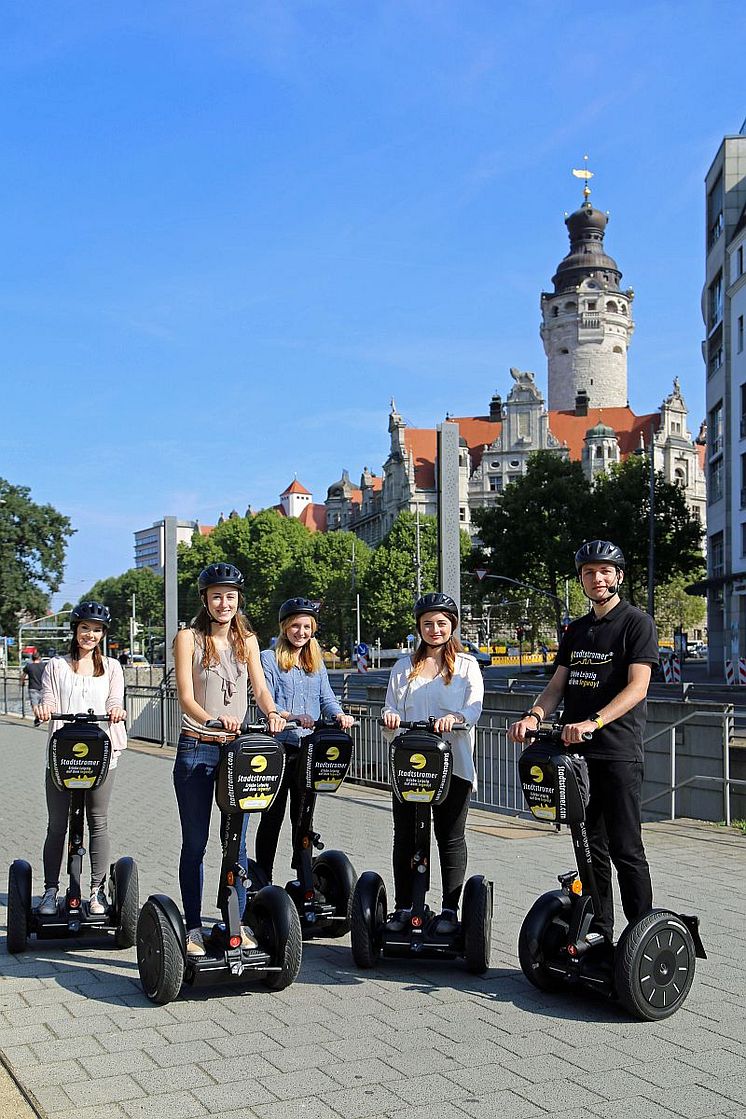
(55, 689)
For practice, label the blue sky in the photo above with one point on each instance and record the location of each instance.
(232, 231)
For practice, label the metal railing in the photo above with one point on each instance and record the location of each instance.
(13, 695)
(726, 781)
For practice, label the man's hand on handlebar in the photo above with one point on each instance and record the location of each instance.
(277, 722)
(517, 730)
(579, 732)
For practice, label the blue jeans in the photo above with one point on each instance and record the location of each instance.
(194, 784)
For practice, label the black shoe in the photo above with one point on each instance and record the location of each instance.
(446, 924)
(399, 920)
(37, 722)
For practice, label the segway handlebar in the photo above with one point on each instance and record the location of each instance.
(80, 717)
(326, 724)
(552, 733)
(247, 728)
(423, 724)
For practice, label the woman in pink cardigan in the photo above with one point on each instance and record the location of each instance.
(80, 681)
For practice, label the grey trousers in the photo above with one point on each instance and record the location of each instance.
(97, 815)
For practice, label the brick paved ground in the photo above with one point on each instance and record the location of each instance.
(428, 1041)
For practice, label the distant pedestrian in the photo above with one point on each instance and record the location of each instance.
(124, 659)
(31, 675)
(81, 681)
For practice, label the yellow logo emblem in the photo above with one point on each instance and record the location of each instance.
(80, 750)
(259, 763)
(332, 753)
(537, 773)
(418, 761)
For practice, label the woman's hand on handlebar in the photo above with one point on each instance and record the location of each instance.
(45, 713)
(446, 723)
(117, 715)
(345, 721)
(390, 720)
(307, 722)
(231, 724)
(276, 722)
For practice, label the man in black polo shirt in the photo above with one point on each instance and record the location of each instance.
(602, 674)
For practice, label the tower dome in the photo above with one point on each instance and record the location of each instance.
(586, 320)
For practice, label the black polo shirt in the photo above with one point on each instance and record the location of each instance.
(597, 653)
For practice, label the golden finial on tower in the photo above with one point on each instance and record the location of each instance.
(584, 173)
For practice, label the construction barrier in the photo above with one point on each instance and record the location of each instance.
(742, 671)
(730, 675)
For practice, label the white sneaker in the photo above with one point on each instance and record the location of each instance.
(195, 943)
(48, 904)
(248, 940)
(97, 904)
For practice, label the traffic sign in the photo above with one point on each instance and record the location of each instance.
(361, 649)
(480, 573)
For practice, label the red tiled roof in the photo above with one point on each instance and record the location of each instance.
(314, 517)
(295, 487)
(571, 429)
(421, 442)
(205, 530)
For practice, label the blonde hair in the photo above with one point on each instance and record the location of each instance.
(239, 633)
(308, 658)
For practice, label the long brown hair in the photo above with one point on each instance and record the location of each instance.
(451, 649)
(98, 657)
(239, 633)
(309, 658)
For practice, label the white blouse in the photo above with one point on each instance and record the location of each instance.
(418, 699)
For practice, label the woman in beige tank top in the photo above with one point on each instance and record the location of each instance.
(214, 661)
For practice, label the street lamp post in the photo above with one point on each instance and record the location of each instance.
(483, 574)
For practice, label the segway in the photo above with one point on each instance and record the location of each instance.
(420, 764)
(651, 969)
(78, 760)
(249, 773)
(322, 891)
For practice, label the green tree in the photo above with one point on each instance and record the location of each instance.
(324, 573)
(388, 589)
(263, 546)
(621, 502)
(116, 593)
(674, 607)
(533, 531)
(33, 541)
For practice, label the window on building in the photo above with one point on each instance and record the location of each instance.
(496, 483)
(716, 554)
(715, 480)
(743, 481)
(739, 261)
(676, 427)
(618, 350)
(611, 306)
(570, 306)
(591, 304)
(743, 410)
(715, 211)
(715, 355)
(715, 430)
(743, 539)
(462, 514)
(739, 334)
(715, 301)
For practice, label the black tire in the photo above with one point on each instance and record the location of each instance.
(335, 878)
(368, 916)
(19, 905)
(126, 895)
(543, 932)
(476, 922)
(159, 956)
(654, 966)
(276, 925)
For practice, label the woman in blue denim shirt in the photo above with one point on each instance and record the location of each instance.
(297, 680)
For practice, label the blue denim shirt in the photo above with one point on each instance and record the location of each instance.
(300, 693)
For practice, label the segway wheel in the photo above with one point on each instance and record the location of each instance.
(654, 966)
(543, 933)
(368, 916)
(476, 922)
(276, 925)
(335, 878)
(159, 957)
(126, 894)
(19, 905)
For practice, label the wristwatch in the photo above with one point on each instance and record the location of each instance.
(596, 718)
(533, 714)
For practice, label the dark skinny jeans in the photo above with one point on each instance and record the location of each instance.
(270, 821)
(449, 825)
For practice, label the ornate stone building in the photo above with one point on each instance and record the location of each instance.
(586, 328)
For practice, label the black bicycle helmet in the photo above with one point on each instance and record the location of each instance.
(599, 551)
(220, 575)
(435, 601)
(293, 606)
(90, 612)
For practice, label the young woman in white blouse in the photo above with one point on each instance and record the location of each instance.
(442, 682)
(83, 680)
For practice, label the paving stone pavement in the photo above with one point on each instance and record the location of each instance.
(425, 1041)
